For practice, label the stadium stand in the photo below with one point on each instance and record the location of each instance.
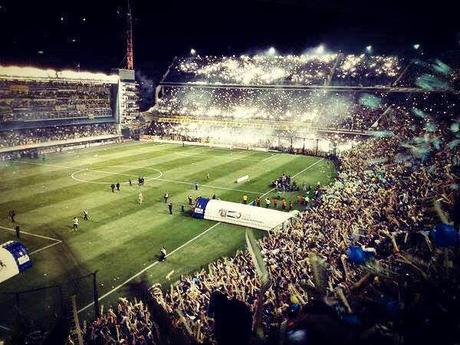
(306, 69)
(368, 260)
(53, 100)
(43, 110)
(401, 185)
(293, 101)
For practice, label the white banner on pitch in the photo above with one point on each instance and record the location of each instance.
(246, 215)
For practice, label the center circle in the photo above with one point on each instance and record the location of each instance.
(75, 174)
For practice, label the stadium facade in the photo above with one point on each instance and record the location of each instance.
(45, 105)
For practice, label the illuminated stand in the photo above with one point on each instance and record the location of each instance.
(240, 214)
(14, 259)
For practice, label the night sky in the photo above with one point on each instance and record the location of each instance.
(91, 33)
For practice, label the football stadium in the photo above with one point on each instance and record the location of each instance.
(257, 197)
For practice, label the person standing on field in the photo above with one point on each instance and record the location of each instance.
(12, 215)
(85, 214)
(140, 198)
(165, 197)
(170, 206)
(163, 254)
(267, 202)
(75, 224)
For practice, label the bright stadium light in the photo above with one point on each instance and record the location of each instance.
(369, 49)
(320, 49)
(271, 51)
(416, 46)
(193, 51)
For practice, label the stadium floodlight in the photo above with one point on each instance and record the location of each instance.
(271, 51)
(416, 46)
(192, 51)
(320, 49)
(369, 49)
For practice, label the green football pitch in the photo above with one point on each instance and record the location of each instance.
(122, 239)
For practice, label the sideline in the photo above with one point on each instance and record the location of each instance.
(147, 268)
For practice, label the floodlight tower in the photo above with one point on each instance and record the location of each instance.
(129, 43)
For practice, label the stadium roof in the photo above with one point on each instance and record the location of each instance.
(37, 73)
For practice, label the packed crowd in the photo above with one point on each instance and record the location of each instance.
(380, 206)
(23, 137)
(250, 107)
(367, 70)
(296, 123)
(306, 69)
(126, 323)
(32, 100)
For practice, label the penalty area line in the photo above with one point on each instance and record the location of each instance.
(45, 247)
(308, 167)
(148, 267)
(55, 240)
(31, 234)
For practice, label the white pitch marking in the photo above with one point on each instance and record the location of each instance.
(308, 167)
(31, 234)
(109, 173)
(269, 157)
(152, 179)
(46, 247)
(147, 268)
(297, 174)
(207, 186)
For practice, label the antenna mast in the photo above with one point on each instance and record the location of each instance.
(129, 43)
